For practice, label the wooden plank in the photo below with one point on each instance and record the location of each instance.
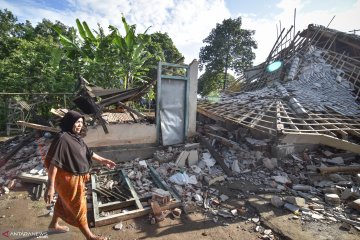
(162, 184)
(116, 205)
(95, 199)
(226, 142)
(232, 120)
(132, 190)
(219, 159)
(290, 122)
(323, 128)
(259, 117)
(140, 211)
(31, 178)
(337, 129)
(321, 139)
(38, 126)
(132, 214)
(354, 130)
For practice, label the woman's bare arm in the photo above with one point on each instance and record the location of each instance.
(50, 189)
(104, 161)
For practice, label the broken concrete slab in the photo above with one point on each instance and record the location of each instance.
(332, 199)
(181, 159)
(355, 204)
(298, 201)
(210, 180)
(193, 158)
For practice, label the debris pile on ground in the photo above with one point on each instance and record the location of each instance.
(321, 185)
(26, 164)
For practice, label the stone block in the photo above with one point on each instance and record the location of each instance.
(298, 201)
(211, 180)
(332, 198)
(161, 196)
(181, 159)
(355, 204)
(193, 158)
(277, 201)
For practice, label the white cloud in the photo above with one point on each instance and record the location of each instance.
(188, 22)
(266, 34)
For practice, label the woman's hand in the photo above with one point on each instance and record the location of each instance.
(104, 161)
(49, 194)
(108, 163)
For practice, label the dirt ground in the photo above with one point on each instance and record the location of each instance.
(21, 217)
(19, 213)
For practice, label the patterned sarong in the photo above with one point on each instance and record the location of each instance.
(71, 203)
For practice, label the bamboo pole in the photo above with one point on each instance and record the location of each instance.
(337, 169)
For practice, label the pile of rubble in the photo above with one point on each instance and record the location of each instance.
(311, 184)
(319, 185)
(25, 164)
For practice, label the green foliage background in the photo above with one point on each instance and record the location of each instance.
(49, 57)
(228, 47)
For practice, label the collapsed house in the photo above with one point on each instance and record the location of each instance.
(306, 92)
(310, 99)
(116, 131)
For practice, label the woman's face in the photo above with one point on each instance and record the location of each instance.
(78, 126)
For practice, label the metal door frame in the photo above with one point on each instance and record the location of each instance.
(160, 77)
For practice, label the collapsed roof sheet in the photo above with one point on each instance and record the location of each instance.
(313, 98)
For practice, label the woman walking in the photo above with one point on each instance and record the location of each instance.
(69, 161)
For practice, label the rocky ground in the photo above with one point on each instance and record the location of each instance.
(23, 216)
(230, 188)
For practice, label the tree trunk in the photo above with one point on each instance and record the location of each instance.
(226, 68)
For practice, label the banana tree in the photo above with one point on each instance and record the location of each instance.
(109, 58)
(91, 54)
(131, 50)
(70, 47)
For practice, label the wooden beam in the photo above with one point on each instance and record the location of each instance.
(339, 169)
(279, 125)
(321, 139)
(219, 159)
(282, 110)
(225, 141)
(132, 190)
(101, 221)
(139, 114)
(339, 130)
(162, 184)
(31, 178)
(260, 116)
(38, 127)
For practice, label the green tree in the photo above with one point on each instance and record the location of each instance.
(26, 62)
(107, 60)
(8, 33)
(46, 28)
(26, 56)
(28, 69)
(211, 82)
(162, 49)
(229, 47)
(132, 54)
(167, 48)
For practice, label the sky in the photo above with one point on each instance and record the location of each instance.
(189, 22)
